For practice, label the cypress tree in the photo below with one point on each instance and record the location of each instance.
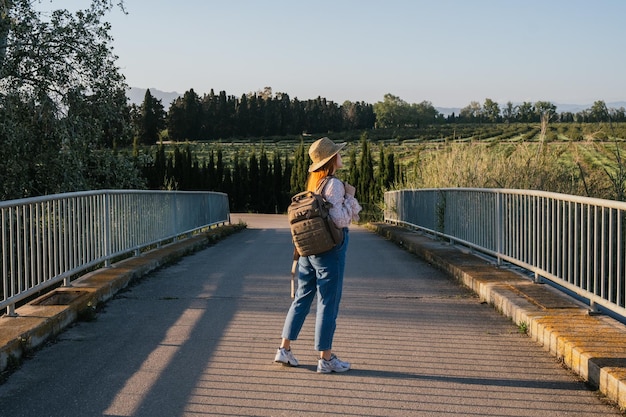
(211, 172)
(389, 177)
(240, 183)
(366, 182)
(286, 182)
(236, 185)
(209, 116)
(189, 169)
(254, 202)
(267, 198)
(379, 172)
(300, 169)
(151, 119)
(177, 168)
(169, 179)
(353, 172)
(277, 183)
(159, 169)
(220, 174)
(227, 187)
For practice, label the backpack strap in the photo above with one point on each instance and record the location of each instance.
(320, 188)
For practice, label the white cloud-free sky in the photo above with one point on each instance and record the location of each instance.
(448, 52)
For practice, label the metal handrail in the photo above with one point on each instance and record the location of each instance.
(53, 238)
(578, 243)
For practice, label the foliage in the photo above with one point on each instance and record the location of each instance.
(488, 155)
(260, 114)
(527, 112)
(149, 119)
(253, 183)
(62, 101)
(395, 112)
(367, 186)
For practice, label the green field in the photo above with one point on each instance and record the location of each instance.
(572, 158)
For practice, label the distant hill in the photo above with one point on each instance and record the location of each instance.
(136, 96)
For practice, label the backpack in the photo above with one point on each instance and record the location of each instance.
(312, 230)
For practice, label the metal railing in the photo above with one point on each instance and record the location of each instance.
(576, 242)
(50, 239)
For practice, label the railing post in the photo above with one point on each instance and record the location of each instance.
(175, 216)
(499, 226)
(106, 218)
(593, 309)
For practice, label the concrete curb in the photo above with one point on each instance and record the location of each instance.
(48, 315)
(593, 347)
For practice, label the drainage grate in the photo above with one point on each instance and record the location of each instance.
(59, 298)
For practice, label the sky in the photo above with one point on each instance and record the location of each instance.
(447, 52)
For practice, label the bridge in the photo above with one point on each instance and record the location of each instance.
(198, 337)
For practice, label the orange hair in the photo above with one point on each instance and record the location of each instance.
(316, 176)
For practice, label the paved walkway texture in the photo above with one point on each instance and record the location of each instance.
(198, 337)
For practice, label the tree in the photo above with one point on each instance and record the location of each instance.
(286, 181)
(424, 112)
(54, 56)
(617, 115)
(62, 104)
(277, 183)
(393, 112)
(254, 184)
(151, 119)
(220, 171)
(471, 112)
(239, 184)
(300, 169)
(185, 118)
(267, 201)
(357, 115)
(366, 185)
(353, 170)
(491, 110)
(599, 112)
(509, 112)
(386, 168)
(526, 112)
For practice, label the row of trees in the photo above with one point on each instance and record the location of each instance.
(260, 181)
(263, 114)
(259, 114)
(528, 112)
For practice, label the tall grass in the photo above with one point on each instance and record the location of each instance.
(552, 167)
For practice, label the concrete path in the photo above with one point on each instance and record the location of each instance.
(198, 338)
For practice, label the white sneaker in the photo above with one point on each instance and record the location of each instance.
(333, 365)
(285, 357)
(343, 363)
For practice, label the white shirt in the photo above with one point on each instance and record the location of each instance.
(345, 208)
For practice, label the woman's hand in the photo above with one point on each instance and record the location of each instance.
(350, 190)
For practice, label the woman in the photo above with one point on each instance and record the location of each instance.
(322, 274)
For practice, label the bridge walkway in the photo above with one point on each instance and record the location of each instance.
(198, 338)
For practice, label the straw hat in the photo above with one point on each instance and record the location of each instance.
(322, 151)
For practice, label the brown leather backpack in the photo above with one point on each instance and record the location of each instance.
(312, 229)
